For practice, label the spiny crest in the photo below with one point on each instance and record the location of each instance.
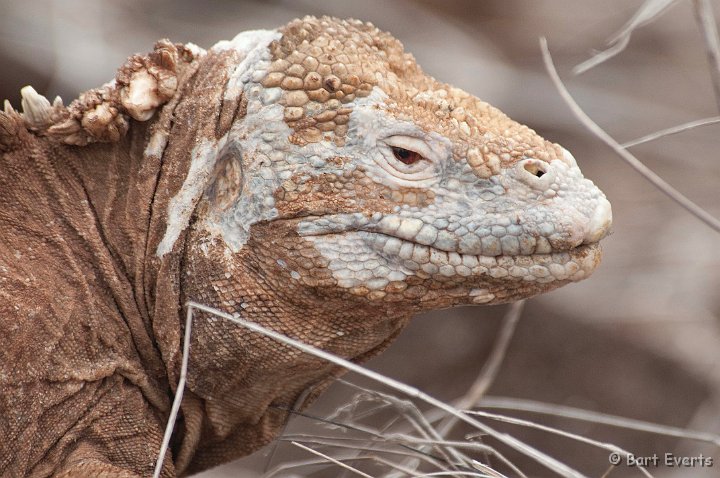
(102, 114)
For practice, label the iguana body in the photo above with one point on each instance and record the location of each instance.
(312, 179)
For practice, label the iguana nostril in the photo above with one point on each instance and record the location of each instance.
(536, 169)
(537, 174)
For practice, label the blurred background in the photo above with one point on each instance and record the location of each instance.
(641, 338)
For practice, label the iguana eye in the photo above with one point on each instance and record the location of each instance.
(408, 159)
(406, 156)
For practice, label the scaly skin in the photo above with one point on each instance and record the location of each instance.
(312, 179)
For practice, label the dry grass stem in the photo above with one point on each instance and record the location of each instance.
(462, 473)
(362, 444)
(708, 29)
(331, 460)
(318, 462)
(413, 416)
(407, 442)
(408, 410)
(307, 463)
(333, 442)
(672, 130)
(375, 436)
(629, 158)
(648, 11)
(178, 395)
(608, 471)
(359, 444)
(298, 403)
(556, 466)
(525, 423)
(490, 369)
(532, 406)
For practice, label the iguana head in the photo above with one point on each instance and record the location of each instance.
(344, 190)
(362, 176)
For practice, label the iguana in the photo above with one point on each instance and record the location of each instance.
(311, 178)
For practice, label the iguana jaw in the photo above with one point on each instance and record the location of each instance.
(396, 269)
(514, 235)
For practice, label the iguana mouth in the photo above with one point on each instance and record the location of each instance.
(575, 263)
(494, 241)
(404, 245)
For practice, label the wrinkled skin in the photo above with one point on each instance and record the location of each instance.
(312, 179)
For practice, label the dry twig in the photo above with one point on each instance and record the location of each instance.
(629, 158)
(331, 459)
(547, 461)
(648, 11)
(518, 404)
(490, 369)
(672, 130)
(589, 441)
(708, 28)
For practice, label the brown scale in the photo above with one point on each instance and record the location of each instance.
(323, 68)
(329, 193)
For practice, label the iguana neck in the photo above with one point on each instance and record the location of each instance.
(242, 383)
